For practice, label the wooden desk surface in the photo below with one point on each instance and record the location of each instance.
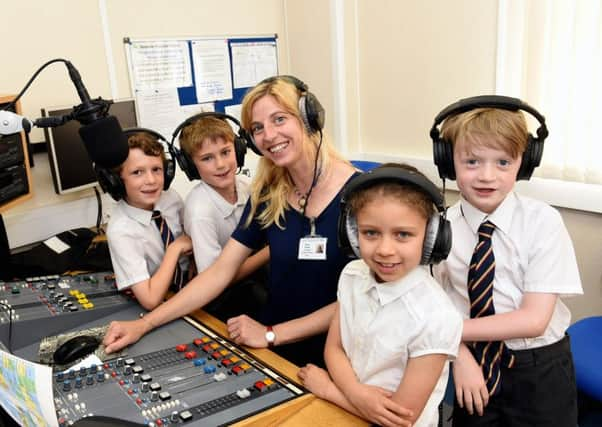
(303, 411)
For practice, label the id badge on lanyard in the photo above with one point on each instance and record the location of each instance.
(313, 246)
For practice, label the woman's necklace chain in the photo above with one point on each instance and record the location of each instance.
(302, 197)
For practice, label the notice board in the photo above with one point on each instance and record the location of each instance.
(173, 78)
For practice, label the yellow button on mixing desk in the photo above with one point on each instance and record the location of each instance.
(88, 305)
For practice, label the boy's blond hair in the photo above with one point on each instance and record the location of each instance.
(273, 183)
(488, 127)
(205, 128)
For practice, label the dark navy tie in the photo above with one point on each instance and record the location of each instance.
(167, 238)
(493, 354)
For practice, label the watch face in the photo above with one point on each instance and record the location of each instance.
(270, 336)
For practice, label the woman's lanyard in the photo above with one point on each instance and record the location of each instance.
(312, 246)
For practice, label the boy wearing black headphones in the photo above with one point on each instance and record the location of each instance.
(395, 329)
(146, 216)
(511, 259)
(214, 206)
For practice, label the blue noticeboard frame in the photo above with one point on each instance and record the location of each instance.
(187, 95)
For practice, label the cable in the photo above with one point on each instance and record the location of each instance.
(99, 211)
(10, 312)
(314, 179)
(11, 104)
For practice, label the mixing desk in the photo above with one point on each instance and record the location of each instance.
(38, 306)
(204, 381)
(182, 373)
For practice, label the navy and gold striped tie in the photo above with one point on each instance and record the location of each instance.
(167, 238)
(490, 355)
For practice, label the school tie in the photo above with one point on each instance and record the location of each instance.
(490, 355)
(167, 238)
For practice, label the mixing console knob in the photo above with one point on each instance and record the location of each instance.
(100, 377)
(119, 362)
(78, 382)
(89, 380)
(154, 396)
(136, 378)
(127, 370)
(67, 385)
(175, 417)
(145, 387)
(60, 376)
(71, 373)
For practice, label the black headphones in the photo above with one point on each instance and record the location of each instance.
(112, 183)
(183, 158)
(438, 236)
(311, 111)
(443, 150)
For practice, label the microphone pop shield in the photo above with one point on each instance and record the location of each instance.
(105, 142)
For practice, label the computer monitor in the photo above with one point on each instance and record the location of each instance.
(70, 164)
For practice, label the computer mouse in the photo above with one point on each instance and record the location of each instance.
(75, 348)
(102, 421)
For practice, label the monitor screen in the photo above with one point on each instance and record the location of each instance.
(69, 162)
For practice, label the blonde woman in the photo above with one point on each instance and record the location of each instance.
(293, 208)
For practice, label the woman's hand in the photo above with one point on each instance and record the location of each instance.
(246, 331)
(121, 334)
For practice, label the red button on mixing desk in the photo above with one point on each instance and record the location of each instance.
(181, 348)
(198, 342)
(190, 355)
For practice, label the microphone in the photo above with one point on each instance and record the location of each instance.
(12, 123)
(102, 134)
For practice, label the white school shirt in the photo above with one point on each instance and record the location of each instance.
(209, 219)
(135, 242)
(385, 324)
(533, 253)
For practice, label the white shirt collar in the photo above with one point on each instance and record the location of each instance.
(390, 291)
(501, 217)
(143, 216)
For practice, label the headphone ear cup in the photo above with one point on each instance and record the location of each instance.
(249, 141)
(352, 234)
(443, 155)
(430, 238)
(185, 162)
(169, 173)
(442, 240)
(240, 149)
(312, 112)
(110, 182)
(531, 158)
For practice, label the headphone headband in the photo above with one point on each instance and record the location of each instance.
(241, 141)
(298, 83)
(489, 101)
(394, 174)
(437, 239)
(443, 151)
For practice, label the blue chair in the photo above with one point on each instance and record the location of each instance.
(586, 339)
(365, 165)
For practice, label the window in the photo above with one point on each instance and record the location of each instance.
(550, 55)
